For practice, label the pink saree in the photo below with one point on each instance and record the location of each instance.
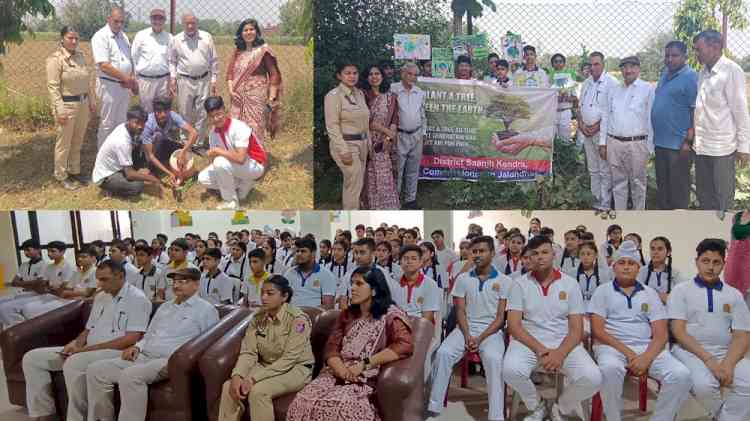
(251, 88)
(736, 272)
(379, 190)
(328, 398)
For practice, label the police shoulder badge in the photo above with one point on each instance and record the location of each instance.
(299, 326)
(563, 296)
(727, 308)
(644, 307)
(496, 286)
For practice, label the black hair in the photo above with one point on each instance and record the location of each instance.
(388, 246)
(668, 246)
(677, 45)
(240, 43)
(431, 247)
(326, 242)
(163, 237)
(438, 232)
(503, 63)
(113, 266)
(66, 29)
(586, 236)
(364, 83)
(368, 242)
(386, 63)
(527, 48)
(359, 226)
(463, 59)
(306, 243)
(612, 228)
(491, 55)
(144, 248)
(162, 103)
(410, 247)
(537, 242)
(557, 55)
(344, 64)
(30, 243)
(119, 245)
(547, 232)
(258, 254)
(136, 113)
(412, 232)
(348, 235)
(712, 244)
(710, 36)
(596, 54)
(566, 254)
(213, 103)
(87, 250)
(271, 243)
(57, 245)
(381, 300)
(241, 245)
(213, 253)
(282, 284)
(284, 235)
(484, 239)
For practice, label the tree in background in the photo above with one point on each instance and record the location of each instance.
(652, 56)
(12, 15)
(472, 9)
(291, 14)
(89, 15)
(694, 16)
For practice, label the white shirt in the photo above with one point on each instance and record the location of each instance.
(711, 314)
(166, 283)
(278, 268)
(722, 124)
(115, 154)
(150, 52)
(536, 78)
(217, 289)
(424, 296)
(148, 282)
(59, 274)
(628, 318)
(594, 100)
(630, 112)
(411, 108)
(658, 280)
(174, 324)
(111, 317)
(446, 256)
(567, 264)
(238, 269)
(438, 273)
(545, 316)
(83, 281)
(161, 260)
(394, 270)
(237, 137)
(601, 275)
(194, 55)
(482, 297)
(507, 266)
(339, 271)
(28, 271)
(309, 289)
(113, 49)
(345, 285)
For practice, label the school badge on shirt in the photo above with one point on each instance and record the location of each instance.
(316, 284)
(420, 300)
(563, 296)
(215, 291)
(299, 326)
(644, 307)
(496, 287)
(727, 308)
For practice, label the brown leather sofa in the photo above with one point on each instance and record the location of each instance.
(180, 398)
(400, 384)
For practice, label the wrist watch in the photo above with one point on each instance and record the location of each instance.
(366, 360)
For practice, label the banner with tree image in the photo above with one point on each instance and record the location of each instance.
(474, 127)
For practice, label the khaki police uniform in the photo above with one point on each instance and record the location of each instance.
(348, 124)
(70, 93)
(276, 353)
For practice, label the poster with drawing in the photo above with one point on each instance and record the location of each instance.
(411, 46)
(512, 47)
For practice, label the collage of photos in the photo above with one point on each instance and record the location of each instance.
(361, 210)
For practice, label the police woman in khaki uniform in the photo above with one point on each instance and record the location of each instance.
(275, 359)
(72, 104)
(348, 123)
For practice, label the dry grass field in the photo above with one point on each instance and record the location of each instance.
(27, 142)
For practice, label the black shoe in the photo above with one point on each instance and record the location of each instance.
(81, 179)
(67, 184)
(411, 205)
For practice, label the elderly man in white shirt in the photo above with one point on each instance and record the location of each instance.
(194, 71)
(118, 318)
(150, 51)
(592, 122)
(629, 138)
(175, 322)
(412, 128)
(722, 123)
(114, 73)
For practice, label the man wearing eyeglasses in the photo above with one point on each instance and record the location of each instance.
(175, 322)
(592, 122)
(151, 60)
(118, 318)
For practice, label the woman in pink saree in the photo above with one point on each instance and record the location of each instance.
(736, 271)
(254, 81)
(370, 333)
(380, 191)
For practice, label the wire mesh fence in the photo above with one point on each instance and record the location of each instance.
(24, 75)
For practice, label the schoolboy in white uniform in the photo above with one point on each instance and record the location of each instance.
(480, 297)
(178, 260)
(545, 320)
(146, 277)
(236, 265)
(216, 286)
(710, 321)
(629, 325)
(313, 285)
(25, 283)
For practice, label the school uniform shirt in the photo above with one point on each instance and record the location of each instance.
(217, 289)
(711, 312)
(606, 249)
(282, 254)
(446, 256)
(310, 289)
(437, 273)
(393, 270)
(628, 317)
(482, 297)
(238, 269)
(146, 281)
(161, 260)
(567, 264)
(166, 282)
(455, 269)
(588, 284)
(252, 288)
(30, 270)
(507, 266)
(111, 317)
(345, 286)
(424, 295)
(60, 273)
(277, 268)
(338, 270)
(83, 280)
(115, 154)
(190, 256)
(535, 78)
(659, 280)
(546, 311)
(174, 324)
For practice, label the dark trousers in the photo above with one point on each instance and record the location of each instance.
(715, 181)
(118, 185)
(673, 178)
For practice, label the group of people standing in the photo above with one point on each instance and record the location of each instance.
(159, 68)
